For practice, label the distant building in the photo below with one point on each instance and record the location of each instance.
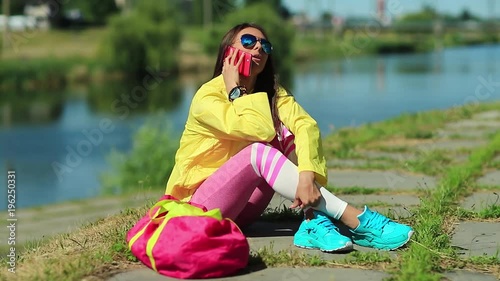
(39, 13)
(381, 10)
(301, 21)
(18, 23)
(123, 5)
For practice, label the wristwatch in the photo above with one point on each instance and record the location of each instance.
(237, 92)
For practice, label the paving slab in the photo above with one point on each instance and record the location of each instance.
(405, 157)
(394, 180)
(451, 145)
(385, 199)
(354, 163)
(477, 238)
(487, 115)
(490, 179)
(496, 159)
(270, 274)
(462, 275)
(390, 155)
(471, 123)
(465, 134)
(481, 200)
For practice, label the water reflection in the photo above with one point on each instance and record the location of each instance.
(124, 97)
(30, 107)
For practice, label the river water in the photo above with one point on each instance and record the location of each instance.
(337, 93)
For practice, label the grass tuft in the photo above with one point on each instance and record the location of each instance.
(420, 262)
(281, 213)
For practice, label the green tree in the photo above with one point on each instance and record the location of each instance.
(16, 6)
(149, 163)
(466, 15)
(427, 13)
(94, 11)
(275, 4)
(326, 19)
(192, 11)
(280, 34)
(148, 36)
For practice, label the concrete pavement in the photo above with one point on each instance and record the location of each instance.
(402, 194)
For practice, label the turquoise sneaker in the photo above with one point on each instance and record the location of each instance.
(320, 233)
(379, 232)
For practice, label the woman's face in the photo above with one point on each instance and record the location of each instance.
(259, 57)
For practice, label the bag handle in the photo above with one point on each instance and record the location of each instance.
(175, 208)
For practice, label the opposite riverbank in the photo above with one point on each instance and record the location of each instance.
(437, 171)
(56, 59)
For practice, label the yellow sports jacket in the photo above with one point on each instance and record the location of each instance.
(217, 129)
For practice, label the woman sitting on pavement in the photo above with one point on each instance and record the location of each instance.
(246, 138)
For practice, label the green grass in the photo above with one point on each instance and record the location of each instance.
(355, 190)
(490, 212)
(485, 260)
(282, 213)
(272, 258)
(393, 149)
(422, 260)
(76, 255)
(420, 134)
(430, 163)
(55, 43)
(367, 258)
(344, 142)
(369, 165)
(485, 187)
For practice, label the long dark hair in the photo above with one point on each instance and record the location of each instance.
(267, 80)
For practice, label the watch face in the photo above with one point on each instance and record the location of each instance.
(235, 93)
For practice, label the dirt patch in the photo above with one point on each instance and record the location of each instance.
(108, 270)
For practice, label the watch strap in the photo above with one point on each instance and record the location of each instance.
(241, 89)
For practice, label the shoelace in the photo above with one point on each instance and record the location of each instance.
(325, 222)
(377, 221)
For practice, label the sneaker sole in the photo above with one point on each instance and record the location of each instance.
(404, 243)
(409, 237)
(346, 247)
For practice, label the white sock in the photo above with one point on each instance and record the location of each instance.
(283, 176)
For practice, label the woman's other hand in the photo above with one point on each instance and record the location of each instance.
(307, 193)
(230, 70)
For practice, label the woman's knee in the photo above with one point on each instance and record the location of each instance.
(262, 156)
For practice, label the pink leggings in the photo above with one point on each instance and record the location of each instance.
(241, 188)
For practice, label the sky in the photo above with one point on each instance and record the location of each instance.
(365, 8)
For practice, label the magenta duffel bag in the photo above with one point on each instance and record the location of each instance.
(184, 240)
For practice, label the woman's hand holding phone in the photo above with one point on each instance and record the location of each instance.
(230, 70)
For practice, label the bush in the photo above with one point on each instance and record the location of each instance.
(36, 74)
(280, 33)
(149, 163)
(149, 36)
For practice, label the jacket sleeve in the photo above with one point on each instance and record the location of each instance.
(308, 146)
(246, 118)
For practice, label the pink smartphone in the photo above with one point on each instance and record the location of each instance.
(246, 65)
